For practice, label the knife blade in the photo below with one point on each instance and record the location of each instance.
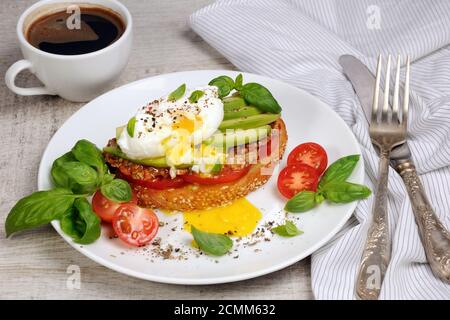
(363, 82)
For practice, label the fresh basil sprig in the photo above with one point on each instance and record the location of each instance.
(332, 187)
(38, 209)
(177, 93)
(107, 178)
(88, 153)
(253, 93)
(80, 176)
(339, 170)
(195, 96)
(76, 174)
(224, 83)
(301, 202)
(60, 178)
(117, 190)
(344, 192)
(212, 243)
(259, 96)
(81, 223)
(131, 126)
(289, 229)
(238, 82)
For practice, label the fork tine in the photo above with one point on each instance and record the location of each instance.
(376, 92)
(384, 113)
(406, 94)
(395, 118)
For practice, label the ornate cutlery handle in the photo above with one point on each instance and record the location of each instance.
(435, 238)
(377, 250)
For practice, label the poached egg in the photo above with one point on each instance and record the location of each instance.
(173, 129)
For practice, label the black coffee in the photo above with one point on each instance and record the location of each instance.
(57, 33)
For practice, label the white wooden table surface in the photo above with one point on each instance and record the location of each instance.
(33, 265)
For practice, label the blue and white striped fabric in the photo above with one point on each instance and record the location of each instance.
(300, 42)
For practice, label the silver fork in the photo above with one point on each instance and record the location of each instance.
(387, 130)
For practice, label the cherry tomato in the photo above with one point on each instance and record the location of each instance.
(227, 174)
(135, 225)
(311, 154)
(296, 178)
(106, 208)
(158, 183)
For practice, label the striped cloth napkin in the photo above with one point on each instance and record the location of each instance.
(300, 42)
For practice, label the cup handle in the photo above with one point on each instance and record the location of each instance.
(10, 78)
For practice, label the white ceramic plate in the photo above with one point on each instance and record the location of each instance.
(307, 119)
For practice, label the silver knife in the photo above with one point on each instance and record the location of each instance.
(435, 238)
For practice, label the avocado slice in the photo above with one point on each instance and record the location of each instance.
(242, 112)
(249, 122)
(233, 103)
(239, 137)
(159, 162)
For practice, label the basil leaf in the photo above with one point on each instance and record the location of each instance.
(177, 93)
(212, 243)
(130, 126)
(117, 190)
(38, 209)
(88, 153)
(108, 178)
(319, 197)
(76, 176)
(72, 225)
(238, 82)
(344, 192)
(81, 223)
(259, 96)
(289, 229)
(195, 96)
(224, 83)
(339, 170)
(301, 202)
(60, 179)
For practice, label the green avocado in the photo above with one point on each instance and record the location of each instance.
(238, 137)
(233, 103)
(159, 162)
(245, 111)
(249, 122)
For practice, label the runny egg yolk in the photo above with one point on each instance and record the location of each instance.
(236, 219)
(181, 146)
(190, 125)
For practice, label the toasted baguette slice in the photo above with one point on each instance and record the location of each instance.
(194, 197)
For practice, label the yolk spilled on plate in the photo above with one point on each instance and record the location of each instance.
(236, 219)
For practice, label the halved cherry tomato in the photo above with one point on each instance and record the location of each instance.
(296, 178)
(158, 183)
(311, 154)
(227, 174)
(135, 225)
(106, 208)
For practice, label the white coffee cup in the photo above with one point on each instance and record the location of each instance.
(73, 77)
